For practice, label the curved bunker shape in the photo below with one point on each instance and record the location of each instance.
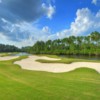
(31, 64)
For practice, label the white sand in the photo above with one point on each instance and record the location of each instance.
(31, 64)
(8, 58)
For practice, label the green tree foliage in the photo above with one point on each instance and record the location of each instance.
(84, 45)
(8, 48)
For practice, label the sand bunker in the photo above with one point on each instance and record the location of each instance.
(31, 64)
(8, 58)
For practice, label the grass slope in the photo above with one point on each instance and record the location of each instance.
(18, 84)
(64, 60)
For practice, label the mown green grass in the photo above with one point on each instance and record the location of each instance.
(4, 54)
(7, 54)
(64, 60)
(18, 84)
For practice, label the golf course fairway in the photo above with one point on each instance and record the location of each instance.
(19, 84)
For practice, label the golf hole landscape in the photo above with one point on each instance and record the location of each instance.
(49, 50)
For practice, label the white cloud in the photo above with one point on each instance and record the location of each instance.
(50, 10)
(2, 36)
(18, 27)
(4, 20)
(12, 10)
(46, 29)
(98, 14)
(85, 23)
(23, 33)
(34, 34)
(96, 2)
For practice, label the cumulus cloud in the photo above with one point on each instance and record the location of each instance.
(17, 18)
(24, 10)
(96, 2)
(23, 33)
(46, 29)
(49, 10)
(85, 23)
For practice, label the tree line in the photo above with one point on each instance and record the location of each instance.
(9, 48)
(72, 45)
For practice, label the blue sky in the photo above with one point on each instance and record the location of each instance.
(23, 22)
(66, 13)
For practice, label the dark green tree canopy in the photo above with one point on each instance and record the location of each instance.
(83, 45)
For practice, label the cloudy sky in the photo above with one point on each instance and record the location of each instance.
(23, 22)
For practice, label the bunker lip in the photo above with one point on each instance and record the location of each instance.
(31, 64)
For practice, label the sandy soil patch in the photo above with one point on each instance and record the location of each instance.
(8, 58)
(31, 64)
